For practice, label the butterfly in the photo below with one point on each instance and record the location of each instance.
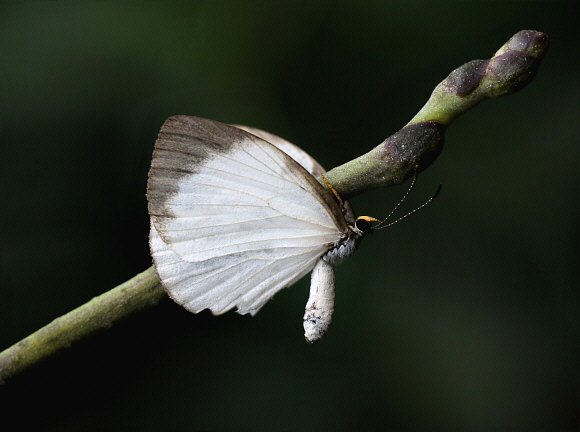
(237, 215)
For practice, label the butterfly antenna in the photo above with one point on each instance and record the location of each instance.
(400, 202)
(429, 201)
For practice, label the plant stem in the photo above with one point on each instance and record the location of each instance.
(417, 144)
(420, 142)
(140, 292)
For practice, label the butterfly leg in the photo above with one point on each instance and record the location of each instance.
(339, 199)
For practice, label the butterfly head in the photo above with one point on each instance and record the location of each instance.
(364, 225)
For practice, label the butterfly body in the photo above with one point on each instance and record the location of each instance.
(234, 219)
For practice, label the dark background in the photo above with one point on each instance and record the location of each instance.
(463, 317)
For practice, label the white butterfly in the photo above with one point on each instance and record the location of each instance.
(234, 219)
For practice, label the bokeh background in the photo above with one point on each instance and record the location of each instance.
(463, 317)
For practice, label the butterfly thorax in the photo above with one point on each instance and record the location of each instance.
(348, 244)
(344, 248)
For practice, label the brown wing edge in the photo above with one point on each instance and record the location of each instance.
(182, 146)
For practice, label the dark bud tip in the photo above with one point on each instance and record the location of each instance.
(515, 65)
(529, 42)
(511, 69)
(511, 72)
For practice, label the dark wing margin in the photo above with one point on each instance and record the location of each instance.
(184, 144)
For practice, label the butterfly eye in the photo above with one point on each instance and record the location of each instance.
(364, 225)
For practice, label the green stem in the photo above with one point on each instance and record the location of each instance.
(417, 144)
(140, 292)
(420, 142)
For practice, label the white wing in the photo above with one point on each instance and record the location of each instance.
(304, 159)
(234, 219)
(292, 150)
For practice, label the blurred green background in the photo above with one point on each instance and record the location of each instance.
(463, 317)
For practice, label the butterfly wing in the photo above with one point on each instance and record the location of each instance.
(219, 284)
(233, 219)
(292, 150)
(304, 159)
